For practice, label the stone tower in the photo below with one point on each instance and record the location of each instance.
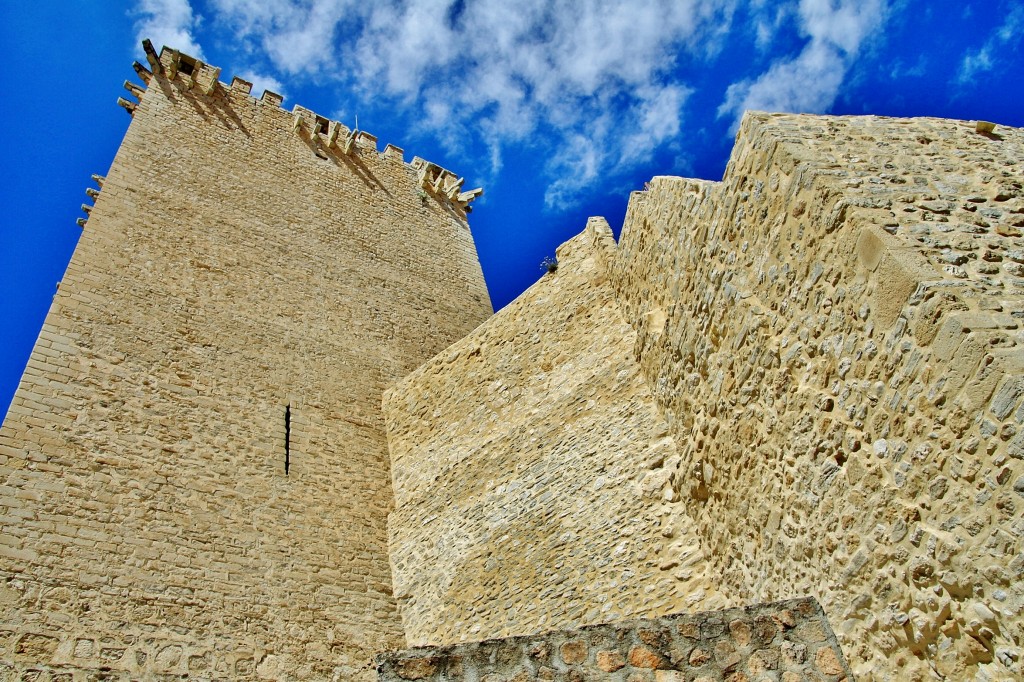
(195, 472)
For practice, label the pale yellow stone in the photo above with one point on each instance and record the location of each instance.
(227, 270)
(802, 379)
(830, 337)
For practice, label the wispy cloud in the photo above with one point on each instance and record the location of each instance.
(767, 19)
(597, 77)
(810, 81)
(298, 37)
(976, 62)
(901, 70)
(167, 22)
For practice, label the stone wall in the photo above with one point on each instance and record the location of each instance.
(236, 265)
(522, 462)
(840, 365)
(832, 337)
(788, 641)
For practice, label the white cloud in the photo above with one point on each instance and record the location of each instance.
(502, 71)
(976, 62)
(841, 23)
(810, 81)
(167, 22)
(575, 166)
(1012, 27)
(767, 20)
(597, 74)
(658, 114)
(297, 36)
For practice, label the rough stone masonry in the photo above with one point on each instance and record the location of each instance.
(804, 379)
(788, 641)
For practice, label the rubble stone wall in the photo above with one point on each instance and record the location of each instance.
(788, 641)
(234, 266)
(837, 350)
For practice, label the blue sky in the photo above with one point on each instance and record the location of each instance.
(558, 109)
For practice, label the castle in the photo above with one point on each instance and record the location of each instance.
(271, 428)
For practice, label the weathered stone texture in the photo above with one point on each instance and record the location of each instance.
(832, 336)
(788, 640)
(851, 396)
(232, 266)
(526, 462)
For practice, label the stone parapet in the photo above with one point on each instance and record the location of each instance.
(787, 641)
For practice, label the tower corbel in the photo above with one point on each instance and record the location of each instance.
(452, 191)
(134, 89)
(172, 68)
(152, 57)
(346, 147)
(471, 195)
(145, 74)
(210, 87)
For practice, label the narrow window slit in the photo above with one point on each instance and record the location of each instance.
(287, 436)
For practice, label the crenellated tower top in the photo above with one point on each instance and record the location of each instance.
(327, 136)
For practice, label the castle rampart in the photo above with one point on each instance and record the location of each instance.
(515, 459)
(832, 338)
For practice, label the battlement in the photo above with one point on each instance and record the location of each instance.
(326, 137)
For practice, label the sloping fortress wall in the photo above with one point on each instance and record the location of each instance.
(832, 338)
(510, 454)
(194, 469)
